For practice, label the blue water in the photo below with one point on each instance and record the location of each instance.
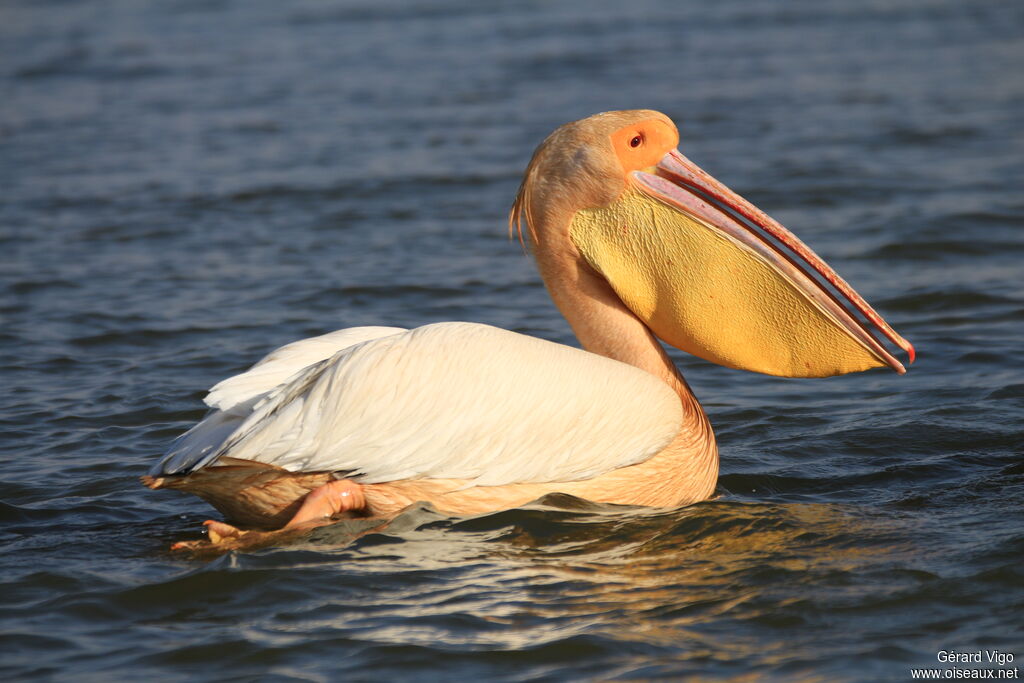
(187, 185)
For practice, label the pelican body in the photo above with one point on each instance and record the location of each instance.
(637, 246)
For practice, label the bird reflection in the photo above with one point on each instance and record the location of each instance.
(567, 572)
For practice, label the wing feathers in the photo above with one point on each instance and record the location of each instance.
(235, 398)
(459, 400)
(277, 366)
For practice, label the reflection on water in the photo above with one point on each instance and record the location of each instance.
(188, 185)
(701, 584)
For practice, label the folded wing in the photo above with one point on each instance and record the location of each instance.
(451, 400)
(233, 399)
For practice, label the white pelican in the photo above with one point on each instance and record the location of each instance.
(635, 244)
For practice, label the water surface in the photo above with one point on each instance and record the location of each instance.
(188, 185)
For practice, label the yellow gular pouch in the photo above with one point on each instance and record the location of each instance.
(706, 293)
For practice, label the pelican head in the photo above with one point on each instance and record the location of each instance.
(701, 267)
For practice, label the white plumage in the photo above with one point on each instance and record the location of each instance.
(233, 399)
(279, 365)
(449, 400)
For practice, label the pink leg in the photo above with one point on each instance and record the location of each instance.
(328, 500)
(317, 508)
(220, 534)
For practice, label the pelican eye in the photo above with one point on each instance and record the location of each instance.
(636, 141)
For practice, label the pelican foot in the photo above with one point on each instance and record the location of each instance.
(319, 508)
(219, 535)
(222, 537)
(326, 501)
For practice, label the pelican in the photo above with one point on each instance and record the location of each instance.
(635, 244)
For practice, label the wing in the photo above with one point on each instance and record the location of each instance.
(460, 400)
(279, 365)
(233, 399)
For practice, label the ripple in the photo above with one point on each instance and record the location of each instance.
(188, 186)
(935, 250)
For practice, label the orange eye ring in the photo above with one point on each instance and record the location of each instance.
(642, 144)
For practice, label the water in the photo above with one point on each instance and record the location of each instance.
(189, 184)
